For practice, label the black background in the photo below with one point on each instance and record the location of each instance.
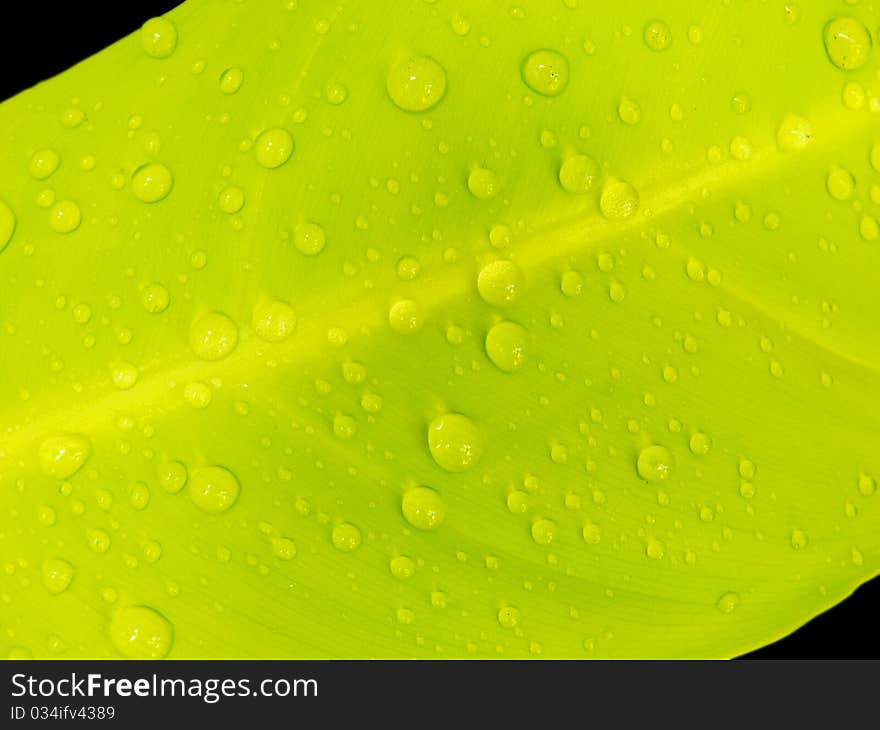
(71, 31)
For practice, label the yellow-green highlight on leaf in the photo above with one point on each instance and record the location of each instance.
(434, 329)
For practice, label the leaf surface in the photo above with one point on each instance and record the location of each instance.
(393, 329)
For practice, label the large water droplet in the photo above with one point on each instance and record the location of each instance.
(213, 489)
(545, 72)
(62, 456)
(152, 182)
(273, 148)
(57, 575)
(416, 84)
(655, 463)
(500, 283)
(506, 346)
(423, 508)
(455, 442)
(140, 632)
(159, 37)
(274, 321)
(213, 336)
(848, 43)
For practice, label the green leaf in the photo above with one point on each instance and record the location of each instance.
(337, 329)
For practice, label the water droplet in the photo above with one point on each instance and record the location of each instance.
(794, 133)
(455, 442)
(124, 376)
(543, 531)
(159, 37)
(657, 35)
(500, 236)
(405, 317)
(335, 93)
(155, 298)
(273, 148)
(500, 283)
(197, 394)
(65, 216)
(545, 72)
(172, 476)
(655, 463)
(152, 182)
(700, 444)
(402, 567)
(848, 43)
(346, 537)
(344, 426)
(579, 174)
(274, 321)
(140, 632)
(98, 541)
(57, 575)
(869, 229)
(423, 508)
(840, 184)
(508, 617)
(309, 238)
(231, 199)
(213, 336)
(408, 268)
(416, 84)
(728, 602)
(44, 163)
(230, 80)
(629, 111)
(799, 539)
(483, 183)
(655, 549)
(7, 224)
(62, 456)
(867, 485)
(213, 489)
(592, 533)
(506, 346)
(283, 548)
(619, 200)
(139, 495)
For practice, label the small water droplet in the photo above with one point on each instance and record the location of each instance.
(155, 298)
(543, 531)
(728, 602)
(794, 133)
(231, 199)
(657, 35)
(700, 444)
(283, 548)
(799, 539)
(230, 80)
(483, 183)
(172, 476)
(508, 617)
(43, 163)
